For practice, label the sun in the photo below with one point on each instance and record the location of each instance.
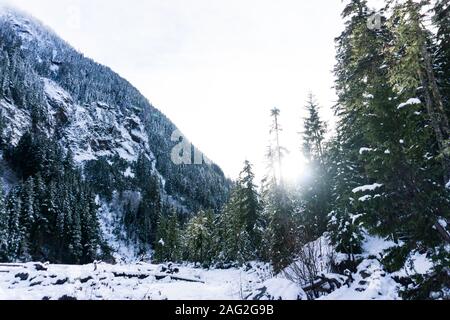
(294, 167)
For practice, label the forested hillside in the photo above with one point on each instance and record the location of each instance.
(82, 151)
(85, 158)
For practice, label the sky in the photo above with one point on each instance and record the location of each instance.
(216, 68)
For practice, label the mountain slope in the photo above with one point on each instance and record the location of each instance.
(109, 128)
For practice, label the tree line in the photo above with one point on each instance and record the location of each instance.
(51, 214)
(383, 172)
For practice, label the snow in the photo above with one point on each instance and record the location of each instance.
(138, 282)
(82, 157)
(420, 263)
(129, 173)
(21, 22)
(141, 281)
(283, 289)
(113, 231)
(19, 120)
(370, 283)
(125, 154)
(365, 198)
(55, 92)
(321, 251)
(370, 187)
(375, 246)
(364, 150)
(448, 185)
(443, 223)
(416, 263)
(54, 68)
(411, 101)
(8, 178)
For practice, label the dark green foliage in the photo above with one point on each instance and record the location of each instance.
(168, 246)
(240, 222)
(382, 140)
(441, 19)
(199, 238)
(232, 237)
(51, 215)
(282, 231)
(316, 191)
(250, 207)
(395, 258)
(3, 225)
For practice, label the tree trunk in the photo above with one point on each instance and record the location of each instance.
(436, 94)
(439, 122)
(438, 118)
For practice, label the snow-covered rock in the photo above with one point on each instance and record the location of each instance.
(278, 289)
(370, 282)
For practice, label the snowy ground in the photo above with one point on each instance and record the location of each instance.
(135, 282)
(141, 281)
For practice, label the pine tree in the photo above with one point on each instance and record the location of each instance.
(61, 221)
(240, 225)
(168, 246)
(198, 240)
(15, 234)
(69, 208)
(281, 231)
(382, 141)
(413, 68)
(441, 19)
(90, 229)
(413, 77)
(249, 207)
(276, 151)
(39, 229)
(27, 217)
(230, 229)
(314, 133)
(76, 246)
(344, 225)
(353, 56)
(144, 225)
(235, 241)
(3, 226)
(315, 203)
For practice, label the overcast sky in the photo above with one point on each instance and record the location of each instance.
(214, 67)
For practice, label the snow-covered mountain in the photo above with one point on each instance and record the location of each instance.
(97, 115)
